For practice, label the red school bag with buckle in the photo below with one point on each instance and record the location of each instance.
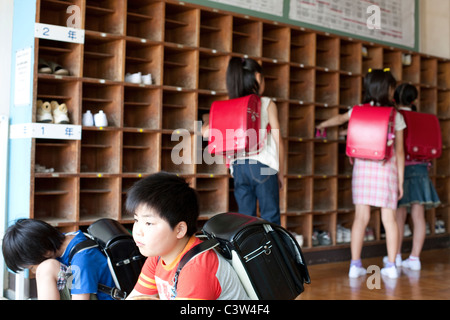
(234, 127)
(371, 133)
(423, 136)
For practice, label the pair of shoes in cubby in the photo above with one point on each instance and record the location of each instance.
(51, 112)
(138, 78)
(50, 67)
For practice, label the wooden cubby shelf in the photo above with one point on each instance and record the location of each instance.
(311, 75)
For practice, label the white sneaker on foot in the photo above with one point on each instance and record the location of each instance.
(356, 272)
(390, 272)
(412, 264)
(398, 261)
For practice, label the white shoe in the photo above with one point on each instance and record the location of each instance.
(398, 260)
(147, 79)
(134, 78)
(356, 272)
(43, 112)
(414, 265)
(60, 114)
(391, 272)
(100, 119)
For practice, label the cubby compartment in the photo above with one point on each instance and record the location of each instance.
(301, 121)
(443, 108)
(350, 90)
(428, 100)
(444, 74)
(325, 158)
(181, 25)
(177, 152)
(103, 96)
(345, 168)
(411, 72)
(178, 110)
(372, 58)
(212, 195)
(142, 107)
(67, 55)
(144, 57)
(428, 71)
(392, 59)
(442, 167)
(327, 52)
(299, 195)
(212, 71)
(322, 114)
(103, 56)
(180, 67)
(275, 75)
(275, 42)
(140, 151)
(442, 185)
(302, 84)
(54, 12)
(299, 157)
(215, 31)
(324, 229)
(62, 90)
(98, 198)
(100, 151)
(145, 19)
(445, 127)
(350, 57)
(247, 37)
(55, 200)
(325, 194)
(327, 88)
(107, 16)
(303, 48)
(443, 219)
(126, 184)
(301, 226)
(345, 199)
(57, 156)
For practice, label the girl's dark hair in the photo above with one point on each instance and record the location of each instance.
(241, 80)
(405, 95)
(376, 85)
(29, 242)
(170, 196)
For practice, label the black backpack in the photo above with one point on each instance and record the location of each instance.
(124, 259)
(265, 256)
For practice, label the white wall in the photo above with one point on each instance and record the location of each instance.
(6, 19)
(435, 27)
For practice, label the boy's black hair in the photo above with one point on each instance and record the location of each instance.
(241, 80)
(376, 85)
(170, 196)
(405, 95)
(29, 242)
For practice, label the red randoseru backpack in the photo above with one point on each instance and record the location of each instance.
(371, 133)
(423, 136)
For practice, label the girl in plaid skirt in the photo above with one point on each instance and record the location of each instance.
(376, 183)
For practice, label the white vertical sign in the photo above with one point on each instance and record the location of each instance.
(22, 85)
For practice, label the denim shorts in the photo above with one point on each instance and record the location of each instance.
(418, 188)
(254, 181)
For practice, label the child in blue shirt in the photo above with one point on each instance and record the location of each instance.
(36, 245)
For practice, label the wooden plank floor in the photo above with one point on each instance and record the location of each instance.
(331, 281)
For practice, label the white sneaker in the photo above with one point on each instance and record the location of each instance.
(60, 114)
(134, 77)
(390, 272)
(43, 112)
(398, 260)
(356, 272)
(412, 264)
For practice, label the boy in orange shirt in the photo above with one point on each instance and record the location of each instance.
(165, 210)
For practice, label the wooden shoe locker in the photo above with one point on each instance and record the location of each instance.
(311, 75)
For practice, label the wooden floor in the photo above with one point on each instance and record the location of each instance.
(331, 281)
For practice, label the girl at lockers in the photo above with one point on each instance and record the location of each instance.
(255, 177)
(376, 183)
(419, 192)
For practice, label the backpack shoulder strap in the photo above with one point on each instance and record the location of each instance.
(191, 254)
(81, 246)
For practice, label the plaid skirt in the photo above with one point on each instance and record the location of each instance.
(375, 183)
